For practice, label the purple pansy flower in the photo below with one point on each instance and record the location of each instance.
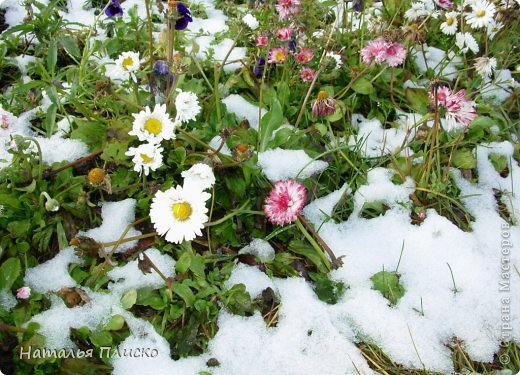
(184, 17)
(114, 9)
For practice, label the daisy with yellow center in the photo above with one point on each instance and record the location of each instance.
(153, 126)
(481, 15)
(179, 213)
(126, 65)
(146, 157)
(449, 27)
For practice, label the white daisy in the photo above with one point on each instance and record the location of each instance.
(421, 9)
(481, 15)
(493, 28)
(250, 21)
(153, 126)
(187, 106)
(485, 66)
(199, 176)
(179, 213)
(449, 27)
(146, 157)
(337, 59)
(126, 65)
(465, 42)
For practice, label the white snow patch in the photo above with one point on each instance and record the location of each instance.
(53, 275)
(116, 216)
(254, 279)
(260, 248)
(244, 110)
(278, 164)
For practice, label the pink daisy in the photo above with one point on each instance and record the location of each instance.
(285, 202)
(307, 74)
(284, 34)
(277, 55)
(287, 8)
(395, 54)
(261, 41)
(446, 4)
(323, 105)
(304, 56)
(459, 109)
(375, 50)
(23, 292)
(380, 50)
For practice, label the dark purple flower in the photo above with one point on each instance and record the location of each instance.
(184, 17)
(358, 6)
(161, 67)
(292, 45)
(259, 68)
(160, 77)
(114, 9)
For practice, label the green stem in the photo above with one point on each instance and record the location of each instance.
(314, 244)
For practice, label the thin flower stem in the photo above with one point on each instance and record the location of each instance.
(130, 239)
(314, 244)
(318, 237)
(156, 269)
(302, 109)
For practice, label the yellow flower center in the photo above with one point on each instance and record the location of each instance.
(322, 95)
(449, 21)
(127, 62)
(147, 159)
(481, 13)
(152, 125)
(280, 56)
(96, 176)
(181, 211)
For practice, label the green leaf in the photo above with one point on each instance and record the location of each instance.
(129, 299)
(388, 284)
(115, 323)
(19, 228)
(363, 86)
(270, 122)
(29, 188)
(9, 272)
(418, 99)
(464, 159)
(52, 56)
(100, 338)
(70, 45)
(327, 290)
(92, 133)
(184, 292)
(500, 162)
(238, 300)
(198, 265)
(50, 120)
(183, 264)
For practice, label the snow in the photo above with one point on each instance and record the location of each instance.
(116, 216)
(434, 58)
(7, 300)
(55, 323)
(498, 90)
(296, 164)
(260, 248)
(53, 274)
(319, 210)
(244, 110)
(254, 280)
(374, 141)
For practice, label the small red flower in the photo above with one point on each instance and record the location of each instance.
(285, 202)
